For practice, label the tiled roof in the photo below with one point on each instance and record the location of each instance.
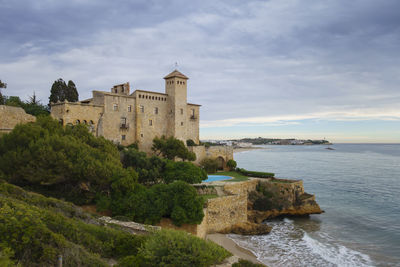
(176, 73)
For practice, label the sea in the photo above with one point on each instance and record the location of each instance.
(358, 187)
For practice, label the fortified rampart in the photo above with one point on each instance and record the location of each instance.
(11, 116)
(226, 212)
(221, 153)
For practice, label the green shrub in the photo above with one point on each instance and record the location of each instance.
(190, 142)
(177, 248)
(5, 257)
(246, 263)
(210, 165)
(231, 164)
(255, 174)
(171, 148)
(178, 201)
(183, 171)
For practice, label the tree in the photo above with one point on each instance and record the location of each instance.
(60, 91)
(183, 171)
(231, 164)
(210, 165)
(2, 99)
(34, 107)
(171, 148)
(72, 94)
(64, 162)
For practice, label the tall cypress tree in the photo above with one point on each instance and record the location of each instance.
(2, 99)
(60, 91)
(72, 94)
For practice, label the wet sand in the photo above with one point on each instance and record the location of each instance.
(232, 247)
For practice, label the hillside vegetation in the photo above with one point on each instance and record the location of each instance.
(35, 230)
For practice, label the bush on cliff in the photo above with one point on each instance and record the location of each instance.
(177, 248)
(255, 174)
(64, 162)
(183, 171)
(178, 201)
(153, 170)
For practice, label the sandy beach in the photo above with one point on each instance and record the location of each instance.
(232, 247)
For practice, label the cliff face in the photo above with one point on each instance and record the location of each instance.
(278, 197)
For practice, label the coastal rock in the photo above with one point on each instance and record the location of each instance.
(247, 228)
(307, 207)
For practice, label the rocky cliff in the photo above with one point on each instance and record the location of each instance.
(277, 197)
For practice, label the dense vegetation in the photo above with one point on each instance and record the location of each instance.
(73, 164)
(267, 198)
(210, 165)
(231, 164)
(32, 106)
(171, 148)
(34, 230)
(255, 174)
(154, 170)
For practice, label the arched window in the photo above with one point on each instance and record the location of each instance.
(84, 122)
(77, 122)
(91, 122)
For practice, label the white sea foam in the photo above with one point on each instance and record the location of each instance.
(288, 245)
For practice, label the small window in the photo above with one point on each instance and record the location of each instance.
(141, 108)
(182, 111)
(193, 112)
(77, 122)
(151, 122)
(141, 135)
(155, 110)
(91, 122)
(123, 137)
(115, 107)
(129, 108)
(123, 121)
(84, 122)
(182, 123)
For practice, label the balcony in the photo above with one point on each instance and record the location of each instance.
(193, 117)
(124, 126)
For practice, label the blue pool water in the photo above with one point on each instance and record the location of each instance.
(213, 178)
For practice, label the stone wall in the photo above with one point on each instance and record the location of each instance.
(11, 116)
(202, 152)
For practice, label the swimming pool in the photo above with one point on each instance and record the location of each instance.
(213, 178)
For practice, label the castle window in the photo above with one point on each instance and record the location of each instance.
(129, 108)
(182, 123)
(193, 112)
(123, 137)
(155, 110)
(141, 135)
(147, 97)
(91, 122)
(151, 122)
(182, 111)
(115, 107)
(61, 121)
(123, 121)
(77, 122)
(152, 98)
(141, 108)
(84, 122)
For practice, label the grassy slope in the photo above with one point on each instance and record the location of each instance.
(237, 177)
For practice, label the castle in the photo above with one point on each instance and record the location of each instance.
(126, 118)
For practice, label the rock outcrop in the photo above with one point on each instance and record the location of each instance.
(276, 198)
(247, 228)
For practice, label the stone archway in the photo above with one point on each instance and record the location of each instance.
(221, 163)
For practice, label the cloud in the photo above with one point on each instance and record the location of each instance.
(249, 62)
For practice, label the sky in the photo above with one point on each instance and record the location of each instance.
(303, 69)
